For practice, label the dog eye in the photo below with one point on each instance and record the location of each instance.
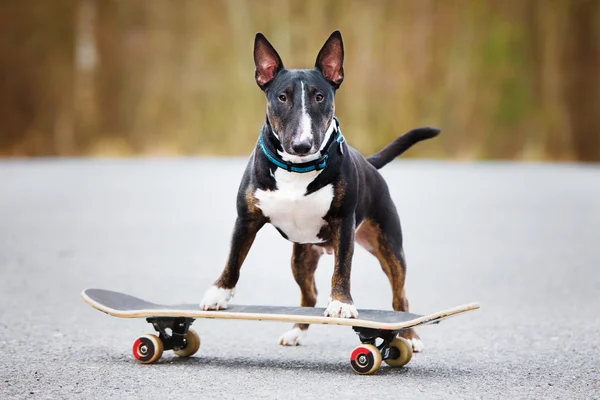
(282, 98)
(319, 97)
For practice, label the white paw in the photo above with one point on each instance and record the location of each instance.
(337, 309)
(292, 338)
(216, 298)
(417, 345)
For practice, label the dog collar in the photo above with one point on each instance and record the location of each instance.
(314, 165)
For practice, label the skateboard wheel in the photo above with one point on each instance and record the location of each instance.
(365, 359)
(404, 347)
(192, 344)
(147, 349)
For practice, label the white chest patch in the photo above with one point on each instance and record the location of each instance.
(300, 217)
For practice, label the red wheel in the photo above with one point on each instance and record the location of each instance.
(365, 359)
(147, 349)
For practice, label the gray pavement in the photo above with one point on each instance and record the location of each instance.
(522, 239)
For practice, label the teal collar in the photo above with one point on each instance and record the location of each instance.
(315, 165)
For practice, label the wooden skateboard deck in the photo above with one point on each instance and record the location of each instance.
(172, 322)
(126, 306)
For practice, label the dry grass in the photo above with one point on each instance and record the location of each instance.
(512, 79)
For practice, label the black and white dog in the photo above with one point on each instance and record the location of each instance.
(320, 193)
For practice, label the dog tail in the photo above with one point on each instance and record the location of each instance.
(400, 145)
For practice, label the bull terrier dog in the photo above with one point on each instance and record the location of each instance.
(315, 189)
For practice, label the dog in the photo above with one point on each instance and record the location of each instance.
(319, 193)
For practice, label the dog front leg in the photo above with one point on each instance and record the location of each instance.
(340, 301)
(219, 294)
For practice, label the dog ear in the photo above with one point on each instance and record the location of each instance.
(266, 60)
(331, 59)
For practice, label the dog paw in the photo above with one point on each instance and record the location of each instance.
(417, 344)
(292, 337)
(413, 339)
(216, 298)
(337, 309)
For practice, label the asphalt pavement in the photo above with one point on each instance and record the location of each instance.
(521, 239)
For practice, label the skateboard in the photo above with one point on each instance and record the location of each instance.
(172, 322)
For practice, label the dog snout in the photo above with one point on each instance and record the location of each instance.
(301, 147)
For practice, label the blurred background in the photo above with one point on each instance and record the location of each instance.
(505, 79)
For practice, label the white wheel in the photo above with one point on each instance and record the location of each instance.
(405, 350)
(192, 344)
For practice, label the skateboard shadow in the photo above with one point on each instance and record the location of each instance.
(337, 367)
(419, 369)
(230, 363)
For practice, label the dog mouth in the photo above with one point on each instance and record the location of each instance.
(295, 157)
(303, 147)
(301, 150)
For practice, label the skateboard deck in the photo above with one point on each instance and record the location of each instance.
(172, 322)
(126, 306)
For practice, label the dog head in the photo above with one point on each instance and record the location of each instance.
(300, 102)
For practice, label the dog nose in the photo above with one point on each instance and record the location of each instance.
(301, 147)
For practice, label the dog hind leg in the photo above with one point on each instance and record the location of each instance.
(305, 258)
(384, 241)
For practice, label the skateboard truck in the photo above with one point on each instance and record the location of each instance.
(366, 358)
(174, 333)
(171, 331)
